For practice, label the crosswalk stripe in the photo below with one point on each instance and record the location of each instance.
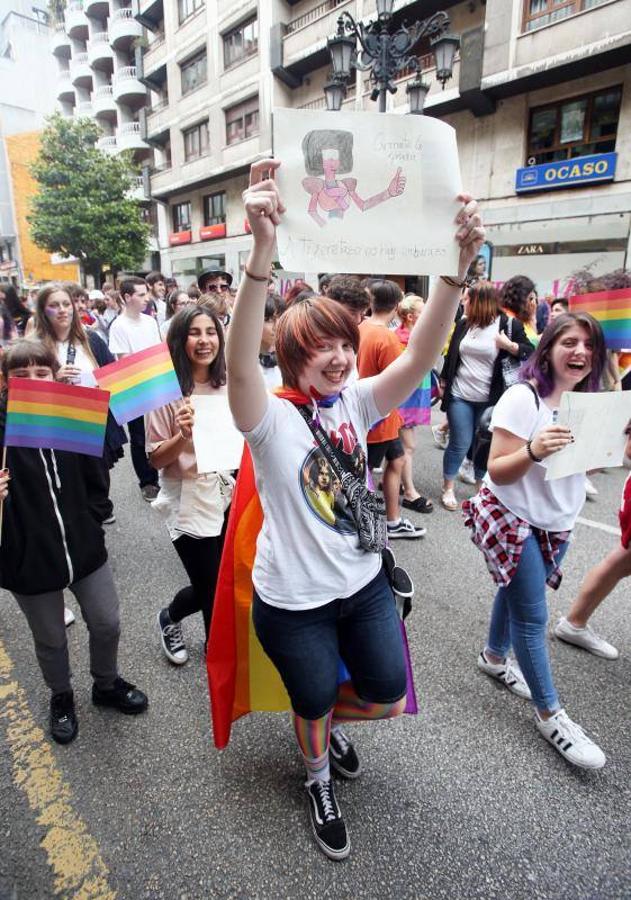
(610, 529)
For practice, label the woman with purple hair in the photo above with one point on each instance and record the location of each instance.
(522, 523)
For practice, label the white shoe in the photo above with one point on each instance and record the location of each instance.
(466, 472)
(69, 616)
(571, 741)
(585, 638)
(441, 437)
(590, 488)
(508, 673)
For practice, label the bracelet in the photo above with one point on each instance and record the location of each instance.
(531, 454)
(454, 282)
(261, 278)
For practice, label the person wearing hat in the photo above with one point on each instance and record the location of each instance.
(214, 280)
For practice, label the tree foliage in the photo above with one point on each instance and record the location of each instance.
(584, 281)
(83, 207)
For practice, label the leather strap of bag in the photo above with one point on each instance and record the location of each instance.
(337, 462)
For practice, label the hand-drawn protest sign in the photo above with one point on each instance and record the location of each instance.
(367, 192)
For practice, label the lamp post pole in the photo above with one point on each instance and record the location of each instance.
(385, 53)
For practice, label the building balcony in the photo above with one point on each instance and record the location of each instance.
(128, 89)
(80, 71)
(304, 45)
(83, 110)
(158, 123)
(154, 63)
(107, 144)
(60, 44)
(96, 9)
(123, 29)
(128, 137)
(587, 40)
(65, 90)
(100, 54)
(138, 190)
(103, 103)
(149, 13)
(76, 20)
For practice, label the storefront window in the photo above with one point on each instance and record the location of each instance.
(576, 127)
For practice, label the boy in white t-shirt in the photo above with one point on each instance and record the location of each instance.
(130, 332)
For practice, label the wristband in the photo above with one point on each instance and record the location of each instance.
(454, 282)
(261, 278)
(531, 454)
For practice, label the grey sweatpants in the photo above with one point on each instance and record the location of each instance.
(97, 597)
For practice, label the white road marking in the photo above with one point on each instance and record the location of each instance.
(600, 525)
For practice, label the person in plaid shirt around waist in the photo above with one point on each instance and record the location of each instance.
(522, 523)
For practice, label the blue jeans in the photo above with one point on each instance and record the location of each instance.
(306, 646)
(463, 417)
(520, 618)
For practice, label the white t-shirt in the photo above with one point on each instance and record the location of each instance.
(161, 311)
(549, 505)
(307, 552)
(477, 358)
(129, 335)
(81, 361)
(272, 377)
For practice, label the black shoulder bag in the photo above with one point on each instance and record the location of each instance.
(483, 434)
(368, 509)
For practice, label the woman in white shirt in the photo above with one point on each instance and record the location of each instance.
(522, 523)
(318, 593)
(194, 504)
(472, 374)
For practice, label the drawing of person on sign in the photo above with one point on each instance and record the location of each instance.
(329, 153)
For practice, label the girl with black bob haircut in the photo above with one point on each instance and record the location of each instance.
(52, 540)
(194, 505)
(523, 523)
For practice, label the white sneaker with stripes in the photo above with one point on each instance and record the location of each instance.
(571, 741)
(508, 673)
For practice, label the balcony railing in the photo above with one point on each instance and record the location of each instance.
(127, 129)
(75, 6)
(316, 13)
(101, 37)
(106, 90)
(107, 143)
(80, 59)
(122, 14)
(83, 110)
(125, 73)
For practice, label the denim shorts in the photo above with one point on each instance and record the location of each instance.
(306, 646)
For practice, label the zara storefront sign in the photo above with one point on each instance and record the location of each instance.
(566, 173)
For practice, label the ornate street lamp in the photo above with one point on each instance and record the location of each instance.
(417, 91)
(385, 54)
(334, 92)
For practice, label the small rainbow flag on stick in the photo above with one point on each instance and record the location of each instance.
(612, 310)
(139, 383)
(55, 416)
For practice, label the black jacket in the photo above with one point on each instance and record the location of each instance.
(51, 536)
(452, 360)
(115, 436)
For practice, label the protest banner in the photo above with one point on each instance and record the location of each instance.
(597, 423)
(366, 192)
(218, 444)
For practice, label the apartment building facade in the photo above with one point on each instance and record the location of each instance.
(540, 100)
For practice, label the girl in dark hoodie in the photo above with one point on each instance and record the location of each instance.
(51, 540)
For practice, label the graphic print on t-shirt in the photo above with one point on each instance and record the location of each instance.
(321, 487)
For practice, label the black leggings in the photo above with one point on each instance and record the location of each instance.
(200, 557)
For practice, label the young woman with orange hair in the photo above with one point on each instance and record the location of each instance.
(318, 594)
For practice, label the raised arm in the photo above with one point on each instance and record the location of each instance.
(396, 383)
(247, 393)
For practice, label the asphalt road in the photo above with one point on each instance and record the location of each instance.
(464, 800)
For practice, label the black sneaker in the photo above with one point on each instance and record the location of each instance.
(124, 697)
(149, 492)
(342, 755)
(326, 820)
(172, 639)
(405, 529)
(63, 720)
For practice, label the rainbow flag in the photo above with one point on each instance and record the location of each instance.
(55, 416)
(612, 310)
(241, 677)
(139, 383)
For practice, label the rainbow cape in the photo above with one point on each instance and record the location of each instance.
(139, 383)
(241, 678)
(55, 416)
(612, 310)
